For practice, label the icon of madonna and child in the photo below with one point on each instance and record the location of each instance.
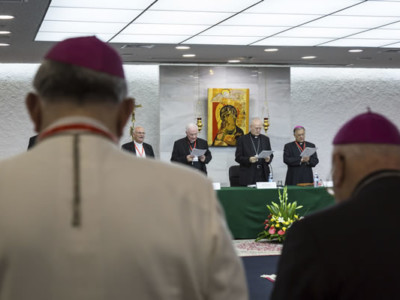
(228, 111)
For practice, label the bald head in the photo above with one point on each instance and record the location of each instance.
(352, 162)
(256, 126)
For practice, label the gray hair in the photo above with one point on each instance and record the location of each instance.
(54, 81)
(191, 125)
(298, 128)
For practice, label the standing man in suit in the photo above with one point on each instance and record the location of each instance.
(299, 168)
(350, 251)
(252, 168)
(181, 152)
(138, 147)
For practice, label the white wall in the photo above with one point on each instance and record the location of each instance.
(16, 127)
(321, 99)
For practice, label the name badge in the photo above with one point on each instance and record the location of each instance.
(216, 185)
(266, 185)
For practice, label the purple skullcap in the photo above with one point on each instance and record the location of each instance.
(88, 52)
(297, 127)
(368, 128)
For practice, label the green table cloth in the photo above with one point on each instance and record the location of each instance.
(246, 208)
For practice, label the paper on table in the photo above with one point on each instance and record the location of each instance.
(198, 152)
(308, 152)
(265, 153)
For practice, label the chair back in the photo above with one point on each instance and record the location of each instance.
(234, 175)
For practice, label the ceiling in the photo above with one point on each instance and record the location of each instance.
(147, 31)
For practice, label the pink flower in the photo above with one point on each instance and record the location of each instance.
(266, 226)
(281, 232)
(266, 221)
(272, 230)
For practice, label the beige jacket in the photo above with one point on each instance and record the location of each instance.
(149, 230)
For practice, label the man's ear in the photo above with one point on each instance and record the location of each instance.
(34, 108)
(338, 171)
(124, 112)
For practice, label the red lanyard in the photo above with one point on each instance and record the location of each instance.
(194, 146)
(78, 126)
(298, 146)
(137, 150)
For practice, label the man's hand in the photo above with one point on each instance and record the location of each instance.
(253, 159)
(305, 159)
(267, 159)
(202, 158)
(189, 158)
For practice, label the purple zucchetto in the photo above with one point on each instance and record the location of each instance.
(368, 128)
(88, 52)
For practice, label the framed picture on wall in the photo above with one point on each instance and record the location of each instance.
(228, 116)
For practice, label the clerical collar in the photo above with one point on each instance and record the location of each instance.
(254, 136)
(77, 124)
(191, 143)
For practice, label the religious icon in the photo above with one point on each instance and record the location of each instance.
(227, 116)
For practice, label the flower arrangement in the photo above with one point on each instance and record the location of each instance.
(279, 220)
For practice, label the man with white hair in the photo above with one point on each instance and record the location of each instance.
(182, 151)
(350, 251)
(80, 219)
(138, 147)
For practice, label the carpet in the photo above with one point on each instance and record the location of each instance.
(255, 267)
(252, 248)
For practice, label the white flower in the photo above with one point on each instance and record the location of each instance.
(281, 220)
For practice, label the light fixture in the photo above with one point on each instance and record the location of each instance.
(234, 61)
(309, 57)
(188, 55)
(6, 17)
(4, 32)
(355, 50)
(271, 49)
(182, 47)
(4, 44)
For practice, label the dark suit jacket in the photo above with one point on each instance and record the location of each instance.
(350, 251)
(148, 149)
(181, 150)
(244, 150)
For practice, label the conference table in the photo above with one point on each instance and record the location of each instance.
(246, 208)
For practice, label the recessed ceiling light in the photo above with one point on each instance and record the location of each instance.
(356, 50)
(6, 17)
(4, 44)
(271, 50)
(233, 61)
(182, 47)
(5, 32)
(188, 55)
(309, 57)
